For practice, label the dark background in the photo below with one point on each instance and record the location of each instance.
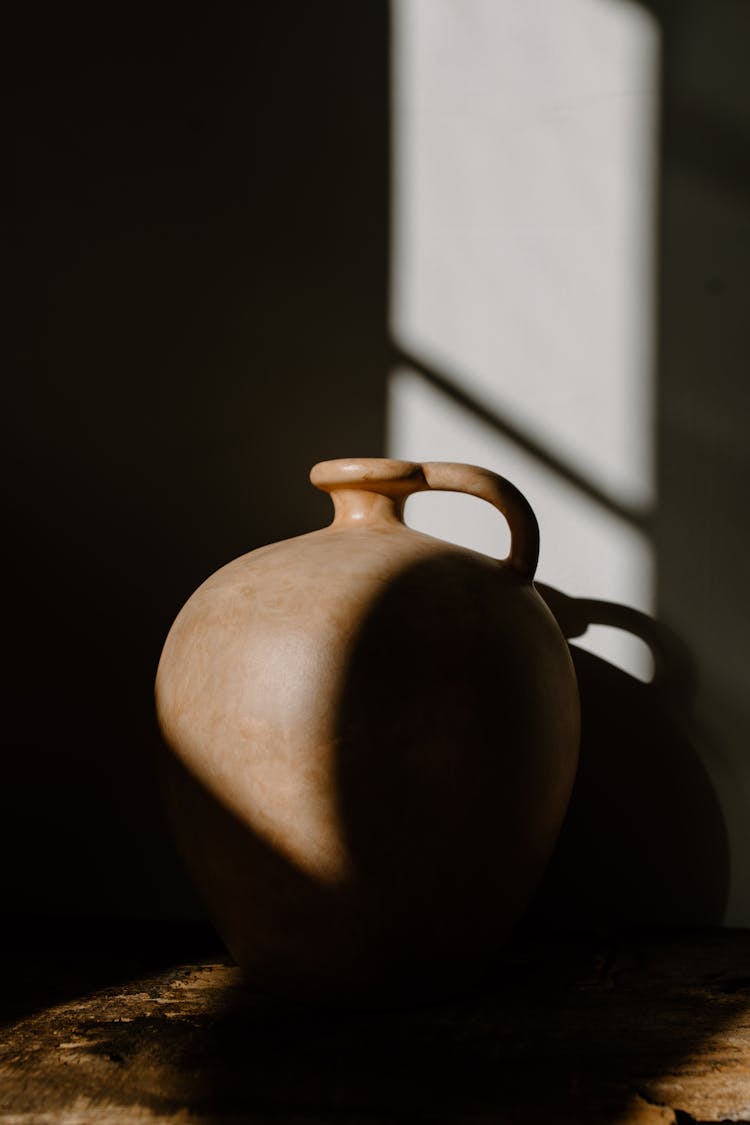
(702, 527)
(198, 312)
(198, 295)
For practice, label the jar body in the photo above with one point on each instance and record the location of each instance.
(372, 739)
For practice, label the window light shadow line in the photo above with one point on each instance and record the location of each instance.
(638, 517)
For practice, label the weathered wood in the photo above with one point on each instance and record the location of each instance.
(652, 1028)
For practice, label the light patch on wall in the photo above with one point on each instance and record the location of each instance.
(523, 198)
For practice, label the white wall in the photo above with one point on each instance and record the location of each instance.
(523, 194)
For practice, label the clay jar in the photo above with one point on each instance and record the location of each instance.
(372, 736)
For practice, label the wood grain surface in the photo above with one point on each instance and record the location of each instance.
(644, 1028)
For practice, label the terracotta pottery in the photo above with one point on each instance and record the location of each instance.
(372, 739)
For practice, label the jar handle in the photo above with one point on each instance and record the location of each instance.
(450, 476)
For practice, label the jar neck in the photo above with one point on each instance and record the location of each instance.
(359, 507)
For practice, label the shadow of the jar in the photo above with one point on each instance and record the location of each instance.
(644, 842)
(456, 734)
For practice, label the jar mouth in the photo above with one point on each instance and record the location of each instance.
(376, 474)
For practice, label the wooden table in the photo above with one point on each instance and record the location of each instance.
(651, 1027)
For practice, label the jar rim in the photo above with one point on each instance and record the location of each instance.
(367, 473)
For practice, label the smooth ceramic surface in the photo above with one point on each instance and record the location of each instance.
(372, 739)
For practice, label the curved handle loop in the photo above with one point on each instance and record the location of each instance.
(450, 476)
(395, 480)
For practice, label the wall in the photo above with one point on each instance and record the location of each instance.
(198, 296)
(523, 272)
(570, 270)
(703, 531)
